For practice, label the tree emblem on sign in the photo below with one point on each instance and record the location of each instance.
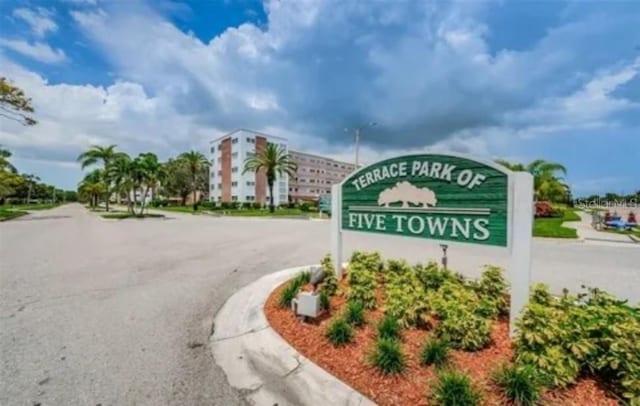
(407, 193)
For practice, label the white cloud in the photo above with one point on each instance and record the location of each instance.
(38, 19)
(38, 50)
(426, 72)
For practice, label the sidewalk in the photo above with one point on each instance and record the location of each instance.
(261, 364)
(587, 233)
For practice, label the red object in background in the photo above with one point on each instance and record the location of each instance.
(631, 218)
(607, 216)
(544, 209)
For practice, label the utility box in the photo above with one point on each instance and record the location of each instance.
(306, 304)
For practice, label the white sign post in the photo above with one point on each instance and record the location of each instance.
(521, 229)
(502, 213)
(336, 230)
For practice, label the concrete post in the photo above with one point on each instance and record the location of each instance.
(521, 241)
(336, 232)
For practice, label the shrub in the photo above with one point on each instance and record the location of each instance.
(330, 283)
(465, 330)
(388, 328)
(544, 209)
(432, 276)
(354, 314)
(362, 285)
(369, 260)
(455, 389)
(305, 207)
(288, 294)
(388, 356)
(434, 351)
(293, 287)
(234, 205)
(158, 203)
(492, 290)
(406, 297)
(225, 205)
(339, 332)
(256, 205)
(520, 383)
(325, 303)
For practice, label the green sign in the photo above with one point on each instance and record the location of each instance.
(324, 203)
(441, 197)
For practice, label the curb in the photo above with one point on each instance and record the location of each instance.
(261, 364)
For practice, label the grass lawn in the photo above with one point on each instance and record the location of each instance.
(10, 214)
(33, 206)
(552, 227)
(126, 215)
(263, 212)
(179, 209)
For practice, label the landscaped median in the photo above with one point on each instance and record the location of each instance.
(402, 334)
(129, 215)
(551, 227)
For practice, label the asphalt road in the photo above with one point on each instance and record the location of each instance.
(105, 312)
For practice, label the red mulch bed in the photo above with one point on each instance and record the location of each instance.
(349, 363)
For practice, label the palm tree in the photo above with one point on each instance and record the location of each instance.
(146, 173)
(272, 160)
(120, 175)
(92, 186)
(196, 163)
(547, 178)
(106, 155)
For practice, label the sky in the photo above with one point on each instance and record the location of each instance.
(518, 80)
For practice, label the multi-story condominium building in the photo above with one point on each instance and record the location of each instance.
(315, 175)
(227, 155)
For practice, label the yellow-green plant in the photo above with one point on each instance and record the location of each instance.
(329, 285)
(406, 298)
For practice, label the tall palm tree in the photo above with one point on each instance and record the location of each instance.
(106, 155)
(548, 178)
(196, 164)
(273, 160)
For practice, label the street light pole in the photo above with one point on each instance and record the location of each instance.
(357, 131)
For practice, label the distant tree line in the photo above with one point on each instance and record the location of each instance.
(25, 188)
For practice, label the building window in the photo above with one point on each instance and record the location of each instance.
(213, 149)
(213, 187)
(251, 198)
(234, 141)
(220, 173)
(234, 155)
(220, 147)
(219, 198)
(219, 185)
(250, 183)
(251, 140)
(234, 169)
(234, 198)
(234, 184)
